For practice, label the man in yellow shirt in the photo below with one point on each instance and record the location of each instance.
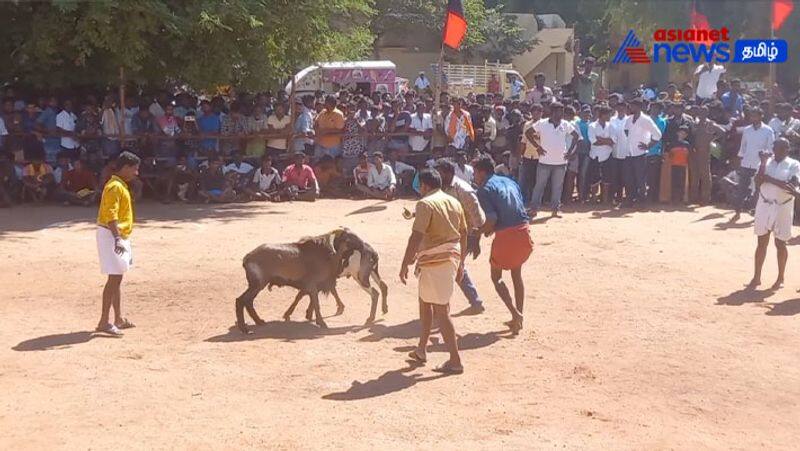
(438, 243)
(328, 129)
(115, 224)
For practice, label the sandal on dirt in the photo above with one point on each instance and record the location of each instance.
(415, 357)
(125, 324)
(446, 368)
(109, 329)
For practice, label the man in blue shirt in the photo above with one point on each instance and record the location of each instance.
(506, 217)
(654, 155)
(732, 101)
(46, 123)
(209, 124)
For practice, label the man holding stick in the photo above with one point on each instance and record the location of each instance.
(438, 242)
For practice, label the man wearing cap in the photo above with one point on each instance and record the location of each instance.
(643, 134)
(468, 198)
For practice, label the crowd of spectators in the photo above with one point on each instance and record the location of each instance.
(580, 143)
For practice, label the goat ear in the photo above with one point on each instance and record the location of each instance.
(331, 238)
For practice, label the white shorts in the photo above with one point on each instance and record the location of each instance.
(436, 282)
(774, 218)
(112, 263)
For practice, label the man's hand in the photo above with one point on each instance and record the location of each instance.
(460, 272)
(403, 273)
(474, 245)
(644, 146)
(119, 249)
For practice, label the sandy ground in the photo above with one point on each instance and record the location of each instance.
(638, 336)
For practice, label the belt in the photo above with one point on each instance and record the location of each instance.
(775, 202)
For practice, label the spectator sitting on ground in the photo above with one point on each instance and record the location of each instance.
(381, 182)
(361, 171)
(63, 165)
(402, 171)
(299, 180)
(8, 180)
(266, 181)
(239, 171)
(37, 179)
(214, 186)
(153, 178)
(78, 186)
(181, 181)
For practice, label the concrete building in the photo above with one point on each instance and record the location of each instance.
(415, 49)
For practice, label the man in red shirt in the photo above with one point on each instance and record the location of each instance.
(299, 181)
(78, 186)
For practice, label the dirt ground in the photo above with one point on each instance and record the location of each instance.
(638, 336)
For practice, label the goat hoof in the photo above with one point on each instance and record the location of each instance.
(339, 310)
(309, 316)
(322, 324)
(260, 322)
(385, 309)
(287, 318)
(244, 329)
(369, 321)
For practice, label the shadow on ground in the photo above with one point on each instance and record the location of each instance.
(282, 330)
(745, 296)
(30, 218)
(58, 341)
(785, 308)
(386, 383)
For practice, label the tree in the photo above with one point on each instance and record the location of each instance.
(203, 43)
(504, 37)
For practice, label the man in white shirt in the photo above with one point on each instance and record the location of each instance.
(157, 108)
(420, 122)
(707, 75)
(539, 92)
(530, 157)
(553, 156)
(489, 128)
(783, 124)
(278, 122)
(601, 139)
(642, 133)
(516, 88)
(381, 181)
(777, 181)
(65, 121)
(266, 181)
(458, 126)
(619, 153)
(464, 171)
(422, 83)
(757, 138)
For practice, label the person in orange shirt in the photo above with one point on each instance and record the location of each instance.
(37, 179)
(328, 129)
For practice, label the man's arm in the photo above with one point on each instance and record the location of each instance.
(576, 138)
(410, 254)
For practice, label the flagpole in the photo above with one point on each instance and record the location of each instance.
(772, 75)
(439, 72)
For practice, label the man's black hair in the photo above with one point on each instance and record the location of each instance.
(484, 164)
(446, 165)
(127, 159)
(430, 178)
(378, 154)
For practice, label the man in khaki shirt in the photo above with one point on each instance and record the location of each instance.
(468, 198)
(438, 236)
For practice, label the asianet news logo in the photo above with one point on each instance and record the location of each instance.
(700, 45)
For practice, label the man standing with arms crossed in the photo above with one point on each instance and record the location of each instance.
(115, 223)
(438, 241)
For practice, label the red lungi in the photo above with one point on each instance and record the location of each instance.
(511, 247)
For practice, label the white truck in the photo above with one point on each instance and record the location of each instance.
(364, 76)
(461, 79)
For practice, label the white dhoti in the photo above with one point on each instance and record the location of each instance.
(112, 263)
(774, 212)
(436, 270)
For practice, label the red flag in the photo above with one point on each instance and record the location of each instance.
(699, 21)
(455, 25)
(781, 9)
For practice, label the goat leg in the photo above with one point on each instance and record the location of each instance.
(339, 304)
(315, 302)
(240, 314)
(288, 314)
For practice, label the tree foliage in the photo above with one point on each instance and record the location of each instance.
(203, 43)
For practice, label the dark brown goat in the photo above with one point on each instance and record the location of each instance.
(310, 265)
